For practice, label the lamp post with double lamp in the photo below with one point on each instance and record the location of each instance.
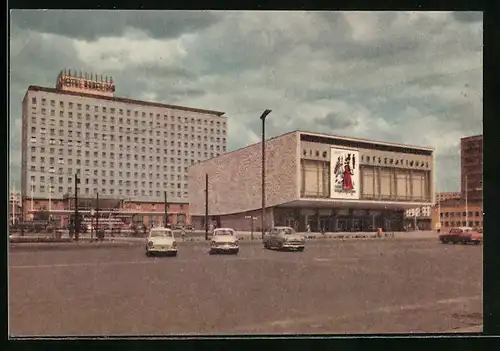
(263, 119)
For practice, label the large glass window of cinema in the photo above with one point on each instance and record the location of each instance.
(377, 181)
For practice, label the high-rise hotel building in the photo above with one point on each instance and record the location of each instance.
(121, 148)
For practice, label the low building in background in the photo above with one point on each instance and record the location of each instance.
(314, 180)
(456, 213)
(128, 210)
(447, 196)
(419, 218)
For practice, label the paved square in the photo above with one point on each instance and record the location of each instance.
(334, 286)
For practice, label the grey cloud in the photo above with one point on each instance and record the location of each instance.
(468, 16)
(169, 89)
(381, 50)
(300, 67)
(330, 22)
(155, 71)
(91, 25)
(311, 94)
(189, 91)
(34, 61)
(38, 60)
(415, 43)
(335, 120)
(431, 80)
(262, 48)
(449, 172)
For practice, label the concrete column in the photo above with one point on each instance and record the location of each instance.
(318, 228)
(394, 184)
(298, 217)
(271, 216)
(411, 184)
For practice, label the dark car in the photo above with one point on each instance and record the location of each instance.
(462, 235)
(32, 226)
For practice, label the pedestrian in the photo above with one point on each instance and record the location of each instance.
(308, 228)
(183, 233)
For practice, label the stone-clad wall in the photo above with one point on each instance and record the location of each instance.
(235, 178)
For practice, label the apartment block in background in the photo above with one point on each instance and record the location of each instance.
(471, 165)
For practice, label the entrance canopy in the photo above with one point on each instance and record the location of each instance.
(354, 204)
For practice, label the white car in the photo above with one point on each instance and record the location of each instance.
(224, 240)
(161, 241)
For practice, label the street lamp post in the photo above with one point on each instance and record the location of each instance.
(77, 219)
(263, 119)
(50, 198)
(92, 214)
(439, 214)
(466, 202)
(206, 206)
(415, 219)
(32, 191)
(165, 204)
(13, 196)
(97, 215)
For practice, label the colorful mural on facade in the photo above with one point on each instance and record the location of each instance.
(345, 174)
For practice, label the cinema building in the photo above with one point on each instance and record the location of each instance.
(327, 182)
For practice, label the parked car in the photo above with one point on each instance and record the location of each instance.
(36, 226)
(477, 237)
(284, 238)
(161, 240)
(224, 240)
(179, 226)
(462, 235)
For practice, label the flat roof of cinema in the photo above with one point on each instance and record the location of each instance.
(330, 136)
(124, 100)
(327, 136)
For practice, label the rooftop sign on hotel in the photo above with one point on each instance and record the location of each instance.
(90, 83)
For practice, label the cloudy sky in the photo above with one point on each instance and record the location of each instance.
(404, 77)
